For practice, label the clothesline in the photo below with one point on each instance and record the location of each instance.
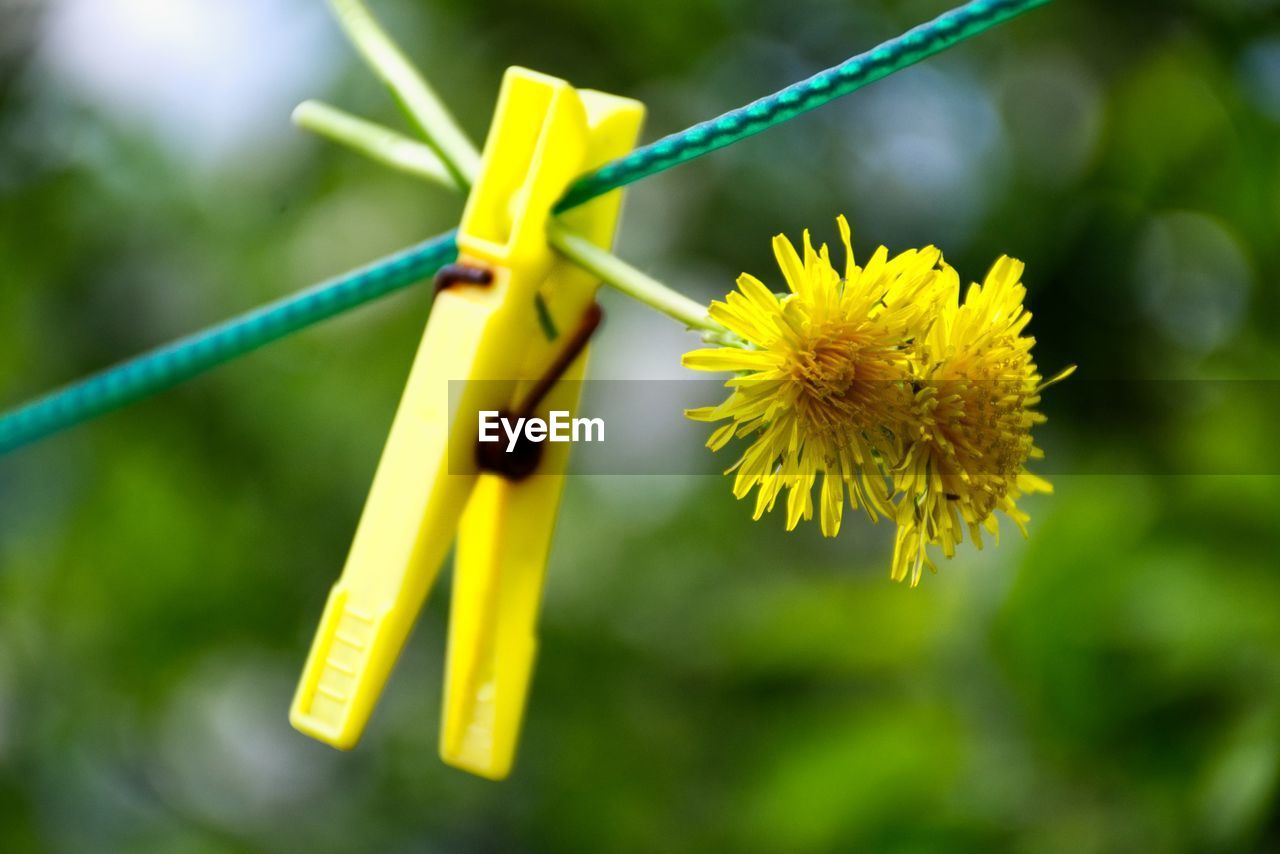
(170, 364)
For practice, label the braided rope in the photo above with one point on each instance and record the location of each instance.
(187, 357)
(822, 88)
(166, 366)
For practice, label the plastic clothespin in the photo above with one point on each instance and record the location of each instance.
(489, 339)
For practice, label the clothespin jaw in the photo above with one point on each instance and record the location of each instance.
(505, 534)
(482, 336)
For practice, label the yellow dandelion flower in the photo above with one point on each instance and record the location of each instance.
(823, 375)
(973, 410)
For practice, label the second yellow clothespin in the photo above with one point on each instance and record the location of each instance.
(504, 334)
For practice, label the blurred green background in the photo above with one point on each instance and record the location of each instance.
(1112, 684)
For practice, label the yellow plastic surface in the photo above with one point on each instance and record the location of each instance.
(544, 134)
(505, 533)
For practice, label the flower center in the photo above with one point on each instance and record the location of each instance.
(983, 431)
(826, 369)
(843, 382)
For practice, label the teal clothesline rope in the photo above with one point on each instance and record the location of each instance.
(166, 366)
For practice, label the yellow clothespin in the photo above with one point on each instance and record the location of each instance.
(489, 335)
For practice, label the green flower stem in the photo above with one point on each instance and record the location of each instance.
(393, 149)
(375, 142)
(622, 277)
(418, 100)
